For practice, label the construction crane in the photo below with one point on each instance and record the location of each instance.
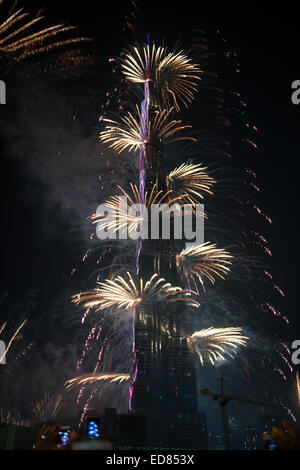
(224, 400)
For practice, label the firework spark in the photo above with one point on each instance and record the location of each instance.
(298, 386)
(14, 336)
(83, 380)
(173, 75)
(15, 418)
(215, 344)
(204, 261)
(48, 407)
(126, 293)
(127, 134)
(190, 179)
(126, 223)
(18, 40)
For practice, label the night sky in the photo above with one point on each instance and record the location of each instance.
(39, 238)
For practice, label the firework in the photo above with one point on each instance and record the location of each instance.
(215, 344)
(9, 417)
(48, 407)
(2, 327)
(204, 261)
(191, 180)
(128, 133)
(173, 75)
(126, 293)
(91, 379)
(18, 39)
(154, 69)
(123, 221)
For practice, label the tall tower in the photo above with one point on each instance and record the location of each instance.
(164, 389)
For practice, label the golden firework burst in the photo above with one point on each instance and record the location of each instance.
(83, 380)
(12, 339)
(128, 134)
(123, 221)
(191, 180)
(174, 75)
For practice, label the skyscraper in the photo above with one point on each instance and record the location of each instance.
(164, 389)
